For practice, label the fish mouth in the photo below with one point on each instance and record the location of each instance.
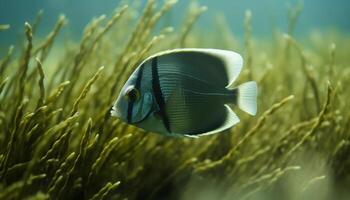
(114, 112)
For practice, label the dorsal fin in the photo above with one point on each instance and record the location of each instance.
(232, 61)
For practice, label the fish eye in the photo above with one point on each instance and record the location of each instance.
(132, 94)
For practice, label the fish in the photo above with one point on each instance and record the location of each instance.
(186, 92)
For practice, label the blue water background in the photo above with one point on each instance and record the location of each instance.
(318, 15)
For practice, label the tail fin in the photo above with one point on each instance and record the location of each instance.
(247, 93)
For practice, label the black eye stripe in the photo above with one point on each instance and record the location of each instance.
(132, 100)
(130, 108)
(132, 94)
(139, 78)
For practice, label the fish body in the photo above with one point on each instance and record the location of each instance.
(186, 92)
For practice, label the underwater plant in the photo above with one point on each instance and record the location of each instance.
(59, 141)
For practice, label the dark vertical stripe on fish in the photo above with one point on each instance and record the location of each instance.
(158, 94)
(130, 107)
(139, 78)
(138, 87)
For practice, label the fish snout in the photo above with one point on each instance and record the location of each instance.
(114, 112)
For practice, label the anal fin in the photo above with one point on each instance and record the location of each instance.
(230, 120)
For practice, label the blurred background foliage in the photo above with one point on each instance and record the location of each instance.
(58, 82)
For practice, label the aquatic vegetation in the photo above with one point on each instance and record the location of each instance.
(58, 140)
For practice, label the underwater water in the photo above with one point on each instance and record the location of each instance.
(270, 15)
(62, 67)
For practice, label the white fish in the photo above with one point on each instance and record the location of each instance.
(186, 92)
